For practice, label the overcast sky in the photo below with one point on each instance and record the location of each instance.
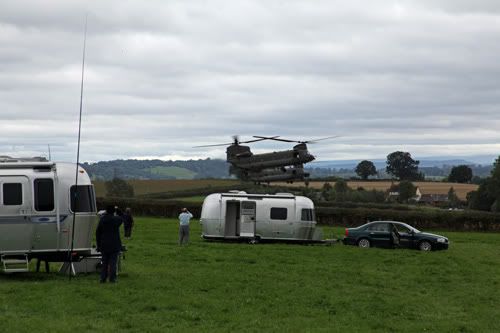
(163, 76)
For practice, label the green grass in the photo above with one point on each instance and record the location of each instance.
(227, 287)
(179, 173)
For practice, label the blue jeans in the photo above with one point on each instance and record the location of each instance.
(109, 261)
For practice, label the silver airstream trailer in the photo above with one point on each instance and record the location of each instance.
(239, 215)
(37, 201)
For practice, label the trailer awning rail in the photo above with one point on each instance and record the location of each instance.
(261, 196)
(26, 165)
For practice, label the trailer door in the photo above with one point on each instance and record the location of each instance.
(44, 217)
(247, 219)
(15, 214)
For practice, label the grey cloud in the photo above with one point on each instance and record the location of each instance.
(162, 77)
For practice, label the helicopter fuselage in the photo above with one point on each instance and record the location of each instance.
(241, 157)
(284, 165)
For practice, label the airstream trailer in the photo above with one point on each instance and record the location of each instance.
(37, 201)
(239, 215)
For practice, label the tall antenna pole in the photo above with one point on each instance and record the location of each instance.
(50, 157)
(75, 194)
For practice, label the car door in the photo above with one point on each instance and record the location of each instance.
(406, 236)
(380, 234)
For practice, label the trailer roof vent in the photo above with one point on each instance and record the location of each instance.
(237, 192)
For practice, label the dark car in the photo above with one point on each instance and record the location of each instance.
(392, 234)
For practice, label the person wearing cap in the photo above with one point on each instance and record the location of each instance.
(184, 218)
(109, 243)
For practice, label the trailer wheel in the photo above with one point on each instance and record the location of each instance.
(254, 240)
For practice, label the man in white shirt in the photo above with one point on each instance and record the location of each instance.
(184, 218)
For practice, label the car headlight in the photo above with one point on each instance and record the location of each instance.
(442, 240)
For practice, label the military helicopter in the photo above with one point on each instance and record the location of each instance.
(285, 165)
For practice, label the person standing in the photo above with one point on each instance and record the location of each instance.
(109, 243)
(394, 237)
(184, 218)
(128, 222)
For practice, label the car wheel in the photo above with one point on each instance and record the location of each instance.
(425, 246)
(364, 243)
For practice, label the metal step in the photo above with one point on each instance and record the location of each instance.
(15, 263)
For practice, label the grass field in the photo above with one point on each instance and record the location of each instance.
(220, 287)
(173, 172)
(168, 185)
(425, 187)
(159, 186)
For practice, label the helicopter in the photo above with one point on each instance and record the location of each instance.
(285, 166)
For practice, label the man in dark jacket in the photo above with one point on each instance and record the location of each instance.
(128, 222)
(109, 243)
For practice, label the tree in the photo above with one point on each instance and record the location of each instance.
(365, 169)
(406, 191)
(401, 165)
(326, 191)
(341, 190)
(487, 196)
(117, 187)
(460, 174)
(340, 186)
(493, 183)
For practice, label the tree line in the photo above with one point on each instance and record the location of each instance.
(400, 165)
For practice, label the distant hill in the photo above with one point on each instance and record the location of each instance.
(158, 169)
(216, 168)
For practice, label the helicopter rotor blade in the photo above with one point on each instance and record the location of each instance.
(321, 139)
(262, 138)
(275, 138)
(216, 145)
(236, 141)
(257, 140)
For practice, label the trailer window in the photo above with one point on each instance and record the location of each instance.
(307, 214)
(83, 200)
(12, 194)
(278, 213)
(44, 195)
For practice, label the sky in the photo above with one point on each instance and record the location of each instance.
(163, 76)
